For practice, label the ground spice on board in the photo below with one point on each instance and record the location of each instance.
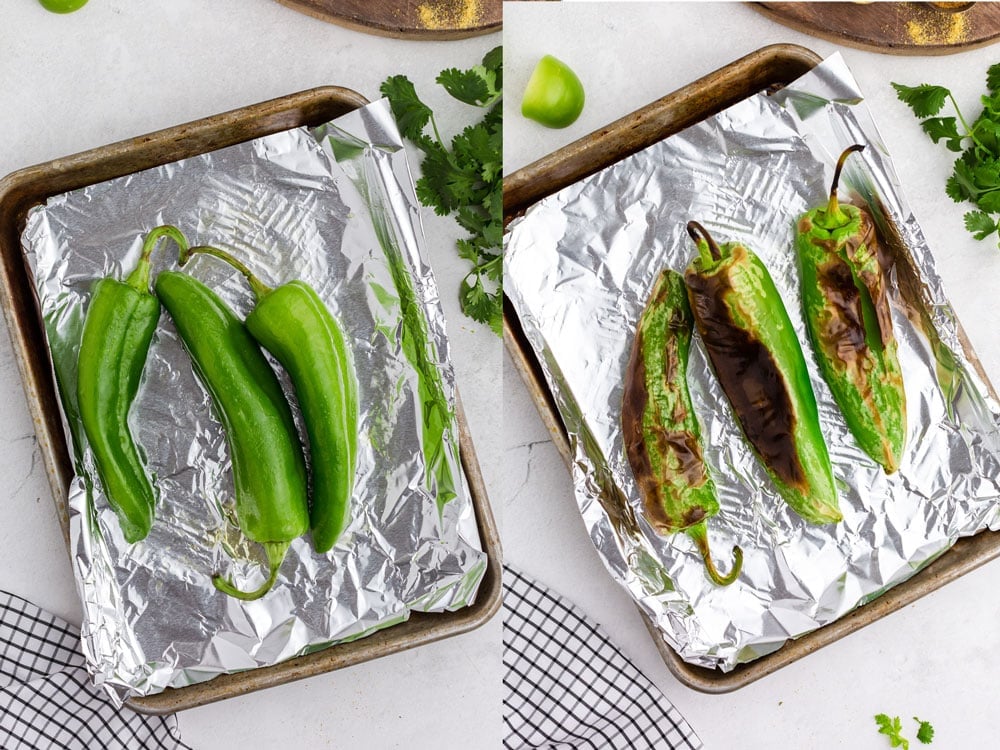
(938, 29)
(451, 14)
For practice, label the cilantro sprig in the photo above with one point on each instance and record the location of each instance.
(976, 174)
(464, 179)
(925, 733)
(893, 729)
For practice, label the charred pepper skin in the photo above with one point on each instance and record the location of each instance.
(849, 322)
(269, 471)
(117, 334)
(293, 324)
(757, 358)
(661, 432)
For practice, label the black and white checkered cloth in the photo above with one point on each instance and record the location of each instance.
(47, 700)
(567, 687)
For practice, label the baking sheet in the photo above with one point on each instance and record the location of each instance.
(579, 268)
(284, 203)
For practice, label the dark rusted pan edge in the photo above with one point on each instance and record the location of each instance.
(771, 66)
(21, 190)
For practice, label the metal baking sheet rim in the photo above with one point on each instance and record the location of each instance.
(964, 556)
(32, 185)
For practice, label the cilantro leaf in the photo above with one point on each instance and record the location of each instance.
(987, 174)
(976, 183)
(986, 135)
(980, 224)
(991, 109)
(469, 86)
(481, 305)
(925, 100)
(989, 201)
(961, 184)
(480, 85)
(953, 189)
(926, 732)
(444, 185)
(467, 250)
(494, 118)
(993, 77)
(493, 268)
(892, 728)
(411, 114)
(493, 60)
(943, 127)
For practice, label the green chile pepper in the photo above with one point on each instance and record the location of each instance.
(117, 333)
(269, 470)
(659, 427)
(757, 358)
(294, 325)
(849, 322)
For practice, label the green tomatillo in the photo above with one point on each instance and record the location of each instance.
(62, 6)
(554, 96)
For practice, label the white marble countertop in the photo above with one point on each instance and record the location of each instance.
(118, 69)
(934, 659)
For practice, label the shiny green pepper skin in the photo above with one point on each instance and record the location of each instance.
(659, 427)
(117, 334)
(269, 471)
(756, 356)
(116, 338)
(850, 325)
(294, 324)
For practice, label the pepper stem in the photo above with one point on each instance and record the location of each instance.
(258, 287)
(707, 247)
(140, 277)
(699, 532)
(833, 208)
(275, 555)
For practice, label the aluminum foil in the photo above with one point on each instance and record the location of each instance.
(297, 204)
(579, 268)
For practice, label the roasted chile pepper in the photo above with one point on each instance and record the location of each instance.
(849, 322)
(294, 325)
(659, 426)
(117, 333)
(269, 470)
(758, 361)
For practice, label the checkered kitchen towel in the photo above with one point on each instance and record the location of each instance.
(567, 687)
(47, 700)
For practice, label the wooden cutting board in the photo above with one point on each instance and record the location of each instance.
(894, 28)
(408, 19)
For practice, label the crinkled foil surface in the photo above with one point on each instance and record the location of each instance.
(579, 268)
(290, 209)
